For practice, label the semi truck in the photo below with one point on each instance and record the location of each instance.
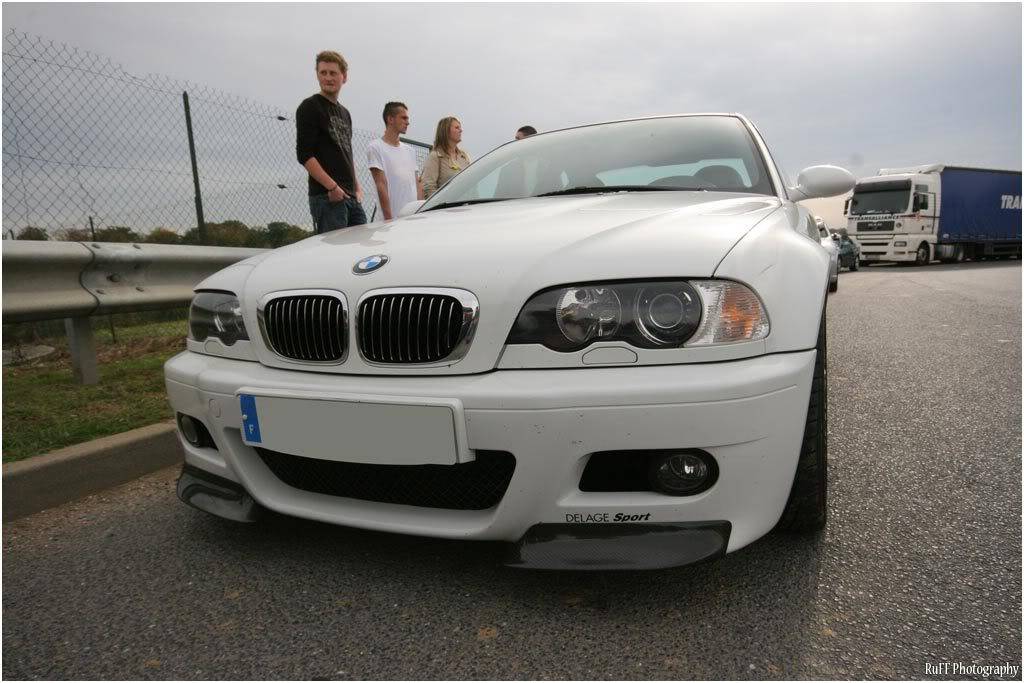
(949, 213)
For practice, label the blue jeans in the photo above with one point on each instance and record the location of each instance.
(328, 215)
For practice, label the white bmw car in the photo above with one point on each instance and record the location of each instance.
(604, 345)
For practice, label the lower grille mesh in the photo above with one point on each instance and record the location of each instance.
(475, 485)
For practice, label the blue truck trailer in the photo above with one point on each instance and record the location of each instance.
(950, 213)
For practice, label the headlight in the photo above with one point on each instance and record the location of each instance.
(653, 315)
(588, 313)
(667, 314)
(216, 314)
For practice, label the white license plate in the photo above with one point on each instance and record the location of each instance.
(354, 429)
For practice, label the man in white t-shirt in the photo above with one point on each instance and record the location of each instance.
(393, 163)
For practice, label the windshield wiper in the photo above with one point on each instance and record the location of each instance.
(467, 202)
(571, 190)
(618, 188)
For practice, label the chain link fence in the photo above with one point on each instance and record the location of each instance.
(91, 148)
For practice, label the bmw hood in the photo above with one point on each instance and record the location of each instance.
(503, 252)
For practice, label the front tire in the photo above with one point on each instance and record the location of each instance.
(806, 510)
(923, 256)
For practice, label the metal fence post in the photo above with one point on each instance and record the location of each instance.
(195, 170)
(83, 350)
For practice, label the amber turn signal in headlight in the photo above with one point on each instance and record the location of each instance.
(732, 313)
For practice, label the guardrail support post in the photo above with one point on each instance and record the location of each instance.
(83, 350)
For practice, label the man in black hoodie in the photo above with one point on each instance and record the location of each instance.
(324, 147)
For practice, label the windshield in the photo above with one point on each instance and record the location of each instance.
(874, 198)
(714, 153)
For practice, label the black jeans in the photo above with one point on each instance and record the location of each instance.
(328, 215)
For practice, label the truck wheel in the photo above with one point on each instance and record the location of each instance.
(806, 510)
(855, 264)
(923, 256)
(862, 262)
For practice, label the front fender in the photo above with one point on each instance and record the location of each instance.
(789, 271)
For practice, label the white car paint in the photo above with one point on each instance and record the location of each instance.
(744, 403)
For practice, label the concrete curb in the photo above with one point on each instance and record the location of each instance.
(74, 472)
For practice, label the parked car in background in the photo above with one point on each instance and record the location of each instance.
(605, 345)
(849, 251)
(831, 244)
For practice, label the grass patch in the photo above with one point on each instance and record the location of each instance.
(44, 409)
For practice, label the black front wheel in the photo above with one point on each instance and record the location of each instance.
(923, 256)
(807, 510)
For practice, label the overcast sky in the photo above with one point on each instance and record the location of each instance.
(862, 86)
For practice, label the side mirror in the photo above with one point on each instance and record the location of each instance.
(846, 207)
(411, 208)
(916, 204)
(821, 181)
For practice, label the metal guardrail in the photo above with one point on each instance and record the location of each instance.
(75, 280)
(53, 280)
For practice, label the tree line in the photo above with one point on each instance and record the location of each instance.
(226, 234)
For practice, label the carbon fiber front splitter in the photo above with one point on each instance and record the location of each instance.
(218, 496)
(600, 547)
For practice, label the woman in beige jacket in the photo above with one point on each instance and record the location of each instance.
(446, 159)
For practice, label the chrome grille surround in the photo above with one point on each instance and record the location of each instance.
(322, 314)
(407, 299)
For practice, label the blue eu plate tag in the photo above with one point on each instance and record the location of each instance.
(250, 420)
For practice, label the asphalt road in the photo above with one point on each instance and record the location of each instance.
(921, 562)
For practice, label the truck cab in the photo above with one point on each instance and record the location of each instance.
(894, 216)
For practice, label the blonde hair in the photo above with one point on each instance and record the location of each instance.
(442, 138)
(334, 58)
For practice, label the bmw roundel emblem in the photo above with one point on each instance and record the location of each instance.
(369, 264)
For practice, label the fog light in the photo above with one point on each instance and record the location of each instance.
(189, 429)
(683, 473)
(899, 244)
(195, 432)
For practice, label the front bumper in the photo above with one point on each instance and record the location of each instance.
(748, 414)
(883, 248)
